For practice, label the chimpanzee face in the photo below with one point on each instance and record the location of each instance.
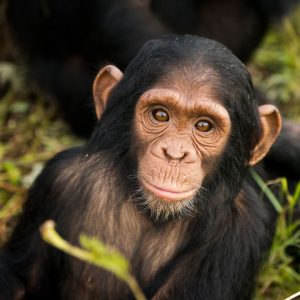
(181, 133)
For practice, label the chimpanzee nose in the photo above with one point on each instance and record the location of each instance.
(178, 150)
(175, 153)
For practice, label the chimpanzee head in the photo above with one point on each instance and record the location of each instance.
(182, 123)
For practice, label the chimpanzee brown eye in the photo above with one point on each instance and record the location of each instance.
(160, 115)
(204, 126)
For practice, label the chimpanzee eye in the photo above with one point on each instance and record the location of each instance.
(160, 115)
(204, 125)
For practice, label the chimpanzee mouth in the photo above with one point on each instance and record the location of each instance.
(168, 194)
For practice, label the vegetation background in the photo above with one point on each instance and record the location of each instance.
(32, 131)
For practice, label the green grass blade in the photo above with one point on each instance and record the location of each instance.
(266, 190)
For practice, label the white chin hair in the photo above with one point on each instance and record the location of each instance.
(162, 209)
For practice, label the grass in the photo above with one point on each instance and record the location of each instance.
(32, 131)
(275, 67)
(280, 275)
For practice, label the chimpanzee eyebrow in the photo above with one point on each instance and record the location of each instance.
(194, 107)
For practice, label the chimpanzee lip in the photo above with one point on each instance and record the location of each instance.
(168, 194)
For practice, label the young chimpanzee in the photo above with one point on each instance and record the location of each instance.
(164, 179)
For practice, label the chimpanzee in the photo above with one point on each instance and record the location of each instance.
(164, 178)
(63, 40)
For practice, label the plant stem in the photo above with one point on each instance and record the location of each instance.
(49, 234)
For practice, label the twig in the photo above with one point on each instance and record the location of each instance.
(11, 188)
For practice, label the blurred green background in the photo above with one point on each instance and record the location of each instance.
(32, 131)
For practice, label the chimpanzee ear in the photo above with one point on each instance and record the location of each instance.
(105, 81)
(271, 125)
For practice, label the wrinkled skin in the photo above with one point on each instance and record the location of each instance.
(175, 155)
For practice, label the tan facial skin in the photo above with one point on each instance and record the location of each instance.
(181, 128)
(180, 131)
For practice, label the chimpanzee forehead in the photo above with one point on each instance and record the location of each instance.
(193, 83)
(193, 80)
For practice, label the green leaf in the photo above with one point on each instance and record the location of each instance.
(13, 172)
(94, 252)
